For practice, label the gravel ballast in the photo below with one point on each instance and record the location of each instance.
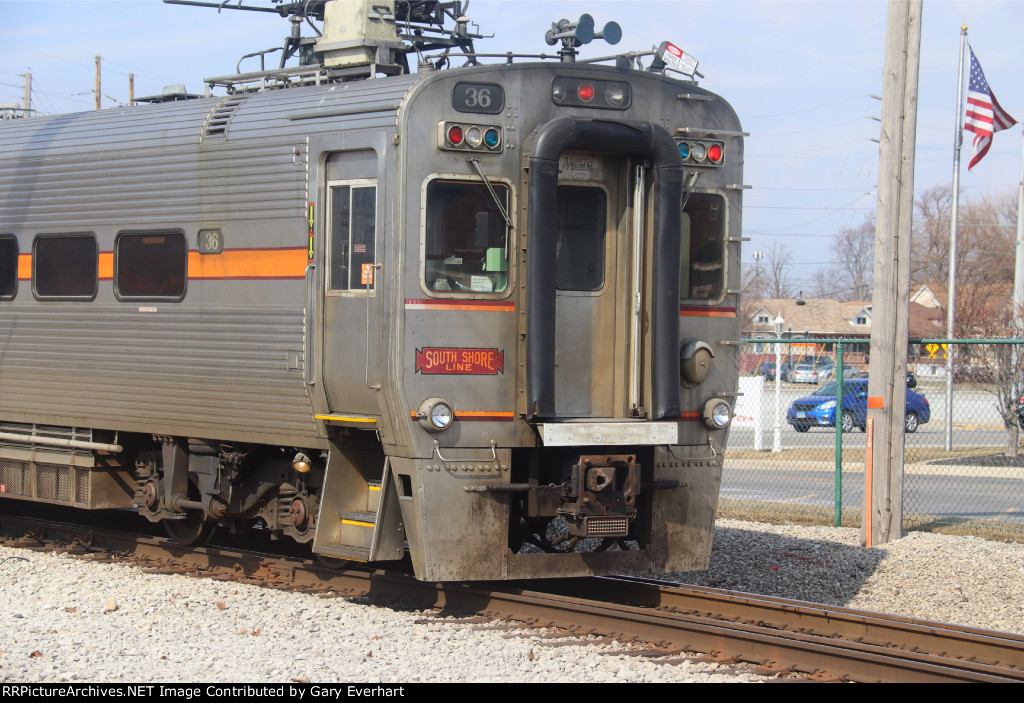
(66, 619)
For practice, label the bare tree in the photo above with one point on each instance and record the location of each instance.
(778, 276)
(929, 246)
(822, 284)
(999, 368)
(853, 249)
(984, 256)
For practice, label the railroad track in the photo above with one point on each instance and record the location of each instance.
(780, 636)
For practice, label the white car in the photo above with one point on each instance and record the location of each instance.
(813, 372)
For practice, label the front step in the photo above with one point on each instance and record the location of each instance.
(344, 551)
(366, 519)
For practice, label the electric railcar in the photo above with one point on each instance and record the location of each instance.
(480, 316)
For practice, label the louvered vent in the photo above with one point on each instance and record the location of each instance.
(217, 121)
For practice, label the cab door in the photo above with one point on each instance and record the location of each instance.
(351, 314)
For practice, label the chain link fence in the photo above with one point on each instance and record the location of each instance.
(962, 471)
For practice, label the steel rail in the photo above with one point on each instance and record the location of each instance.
(817, 640)
(953, 641)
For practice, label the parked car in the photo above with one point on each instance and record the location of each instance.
(767, 369)
(814, 371)
(819, 408)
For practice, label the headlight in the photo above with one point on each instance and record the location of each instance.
(827, 406)
(717, 414)
(435, 415)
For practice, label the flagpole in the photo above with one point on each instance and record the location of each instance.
(958, 141)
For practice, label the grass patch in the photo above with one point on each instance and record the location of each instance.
(778, 513)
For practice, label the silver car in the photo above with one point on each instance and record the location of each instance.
(804, 373)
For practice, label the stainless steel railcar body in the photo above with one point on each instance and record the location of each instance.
(503, 347)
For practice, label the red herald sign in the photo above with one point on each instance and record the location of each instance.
(460, 361)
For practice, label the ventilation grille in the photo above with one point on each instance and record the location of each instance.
(216, 124)
(51, 483)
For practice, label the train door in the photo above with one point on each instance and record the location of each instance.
(591, 325)
(351, 309)
(631, 316)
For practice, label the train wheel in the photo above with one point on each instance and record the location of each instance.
(196, 529)
(191, 532)
(331, 562)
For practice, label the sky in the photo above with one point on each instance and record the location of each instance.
(800, 75)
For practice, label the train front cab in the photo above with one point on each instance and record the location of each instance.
(553, 395)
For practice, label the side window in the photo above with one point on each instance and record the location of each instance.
(467, 241)
(150, 265)
(702, 250)
(65, 266)
(8, 266)
(581, 238)
(353, 221)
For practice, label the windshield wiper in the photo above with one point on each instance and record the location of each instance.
(475, 163)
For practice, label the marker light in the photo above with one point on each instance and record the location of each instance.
(703, 152)
(615, 95)
(601, 94)
(464, 136)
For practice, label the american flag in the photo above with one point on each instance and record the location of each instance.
(985, 117)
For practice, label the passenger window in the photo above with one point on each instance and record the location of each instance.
(467, 240)
(65, 266)
(353, 222)
(581, 236)
(702, 248)
(8, 266)
(150, 265)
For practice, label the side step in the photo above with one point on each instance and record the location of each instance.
(360, 519)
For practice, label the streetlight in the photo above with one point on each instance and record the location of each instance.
(777, 443)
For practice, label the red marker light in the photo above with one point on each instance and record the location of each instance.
(715, 153)
(586, 92)
(455, 135)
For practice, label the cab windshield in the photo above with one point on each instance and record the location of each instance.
(466, 247)
(702, 254)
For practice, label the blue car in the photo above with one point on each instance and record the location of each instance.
(819, 408)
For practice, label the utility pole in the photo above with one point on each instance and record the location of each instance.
(887, 386)
(131, 89)
(27, 99)
(97, 90)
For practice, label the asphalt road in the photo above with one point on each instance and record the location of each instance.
(953, 493)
